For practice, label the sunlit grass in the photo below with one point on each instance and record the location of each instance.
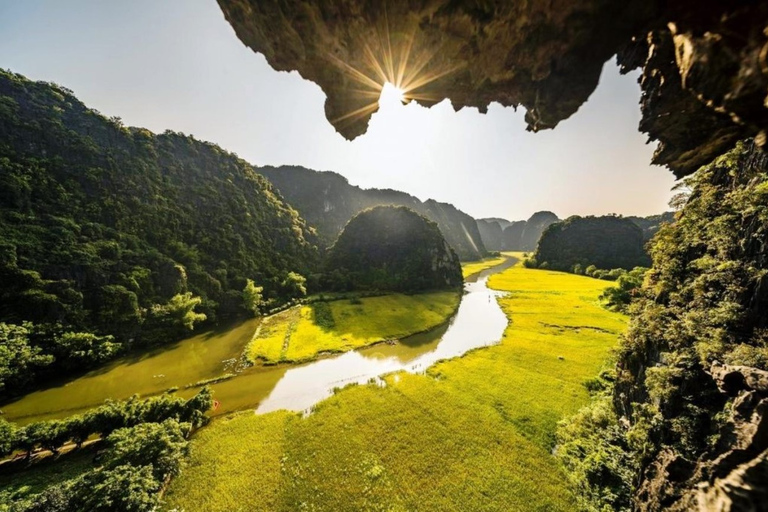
(467, 269)
(251, 477)
(475, 433)
(303, 332)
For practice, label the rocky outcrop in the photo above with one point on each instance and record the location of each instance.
(737, 479)
(704, 300)
(498, 220)
(733, 475)
(513, 236)
(327, 201)
(705, 63)
(534, 227)
(492, 234)
(392, 248)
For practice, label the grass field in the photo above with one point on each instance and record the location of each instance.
(303, 332)
(474, 433)
(467, 269)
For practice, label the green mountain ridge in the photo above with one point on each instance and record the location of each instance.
(393, 248)
(328, 201)
(102, 225)
(607, 242)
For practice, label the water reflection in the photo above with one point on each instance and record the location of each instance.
(478, 322)
(200, 357)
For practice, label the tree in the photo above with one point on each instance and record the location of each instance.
(7, 437)
(85, 348)
(79, 429)
(18, 359)
(628, 284)
(163, 445)
(252, 297)
(295, 285)
(126, 488)
(181, 310)
(53, 435)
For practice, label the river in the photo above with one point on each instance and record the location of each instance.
(478, 322)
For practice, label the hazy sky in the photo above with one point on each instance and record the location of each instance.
(177, 64)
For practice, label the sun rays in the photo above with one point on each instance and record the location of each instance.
(391, 95)
(392, 69)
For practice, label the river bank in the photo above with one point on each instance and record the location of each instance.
(208, 356)
(400, 443)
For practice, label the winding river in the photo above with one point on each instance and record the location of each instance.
(478, 322)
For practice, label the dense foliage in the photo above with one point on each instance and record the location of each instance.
(628, 285)
(144, 444)
(651, 224)
(102, 421)
(392, 248)
(704, 300)
(606, 242)
(327, 201)
(112, 237)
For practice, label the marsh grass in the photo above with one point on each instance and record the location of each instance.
(474, 433)
(467, 269)
(303, 332)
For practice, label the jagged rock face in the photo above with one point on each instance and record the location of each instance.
(533, 229)
(705, 63)
(733, 475)
(710, 430)
(545, 56)
(491, 233)
(513, 236)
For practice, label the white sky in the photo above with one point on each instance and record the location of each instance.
(177, 64)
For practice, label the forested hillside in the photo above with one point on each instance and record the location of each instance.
(651, 224)
(392, 248)
(112, 237)
(606, 242)
(682, 423)
(327, 201)
(502, 235)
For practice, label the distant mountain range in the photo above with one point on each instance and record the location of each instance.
(523, 235)
(327, 201)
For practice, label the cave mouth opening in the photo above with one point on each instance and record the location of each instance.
(391, 95)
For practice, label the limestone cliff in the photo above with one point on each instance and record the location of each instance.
(327, 201)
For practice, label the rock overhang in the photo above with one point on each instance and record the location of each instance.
(704, 64)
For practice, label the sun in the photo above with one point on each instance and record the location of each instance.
(391, 95)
